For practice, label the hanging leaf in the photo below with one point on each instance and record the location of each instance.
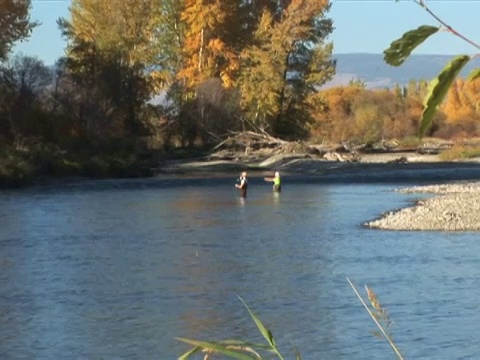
(401, 49)
(438, 89)
(474, 74)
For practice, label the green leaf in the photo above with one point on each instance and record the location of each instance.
(438, 89)
(189, 353)
(474, 74)
(297, 354)
(401, 49)
(245, 344)
(219, 348)
(267, 334)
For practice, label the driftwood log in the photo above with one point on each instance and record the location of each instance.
(253, 145)
(250, 144)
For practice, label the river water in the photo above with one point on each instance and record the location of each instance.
(118, 269)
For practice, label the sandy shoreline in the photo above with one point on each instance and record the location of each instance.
(288, 163)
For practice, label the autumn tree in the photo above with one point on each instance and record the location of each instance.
(462, 110)
(367, 116)
(206, 57)
(111, 50)
(400, 49)
(333, 113)
(379, 114)
(168, 45)
(286, 64)
(463, 101)
(205, 52)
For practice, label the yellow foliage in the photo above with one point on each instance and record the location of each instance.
(205, 53)
(463, 101)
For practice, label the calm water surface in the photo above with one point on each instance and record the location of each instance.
(118, 269)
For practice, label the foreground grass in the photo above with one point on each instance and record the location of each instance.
(245, 350)
(237, 349)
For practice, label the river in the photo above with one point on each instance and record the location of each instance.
(117, 269)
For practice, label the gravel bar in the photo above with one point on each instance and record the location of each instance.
(456, 208)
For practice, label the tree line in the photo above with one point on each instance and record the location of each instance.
(355, 113)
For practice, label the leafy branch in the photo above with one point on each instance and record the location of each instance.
(445, 25)
(401, 49)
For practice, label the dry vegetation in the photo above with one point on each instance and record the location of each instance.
(249, 146)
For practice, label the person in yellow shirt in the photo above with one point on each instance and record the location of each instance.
(277, 185)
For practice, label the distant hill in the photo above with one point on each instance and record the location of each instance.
(377, 74)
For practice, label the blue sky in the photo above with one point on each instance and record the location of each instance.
(367, 26)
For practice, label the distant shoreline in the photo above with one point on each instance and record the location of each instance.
(385, 167)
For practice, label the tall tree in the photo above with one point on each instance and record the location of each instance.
(287, 63)
(112, 48)
(15, 24)
(170, 35)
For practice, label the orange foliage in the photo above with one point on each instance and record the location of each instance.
(365, 115)
(205, 53)
(463, 100)
(333, 115)
(353, 113)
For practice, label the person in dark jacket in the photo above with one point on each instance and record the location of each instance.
(243, 184)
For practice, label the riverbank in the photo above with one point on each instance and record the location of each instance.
(369, 167)
(26, 166)
(292, 163)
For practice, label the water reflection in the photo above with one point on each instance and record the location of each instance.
(241, 201)
(276, 198)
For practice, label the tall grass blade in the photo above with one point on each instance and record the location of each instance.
(267, 334)
(189, 353)
(389, 339)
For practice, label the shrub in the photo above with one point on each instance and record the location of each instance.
(460, 152)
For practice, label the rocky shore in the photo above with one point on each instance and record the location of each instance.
(455, 207)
